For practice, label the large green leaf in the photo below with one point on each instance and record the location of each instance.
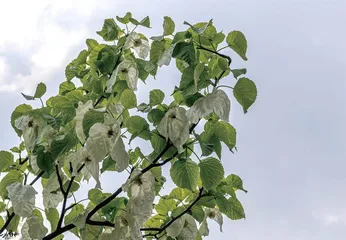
(245, 92)
(156, 50)
(109, 31)
(40, 90)
(231, 207)
(137, 126)
(197, 212)
(52, 215)
(164, 206)
(155, 116)
(185, 51)
(211, 172)
(128, 99)
(125, 19)
(17, 113)
(237, 41)
(66, 87)
(185, 174)
(61, 146)
(90, 118)
(235, 182)
(44, 159)
(226, 133)
(6, 160)
(156, 97)
(13, 176)
(168, 26)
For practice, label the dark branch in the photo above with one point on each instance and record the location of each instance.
(59, 179)
(217, 53)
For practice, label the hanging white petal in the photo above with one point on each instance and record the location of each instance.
(22, 198)
(51, 193)
(80, 112)
(33, 164)
(33, 228)
(30, 128)
(216, 215)
(175, 126)
(175, 228)
(119, 154)
(91, 164)
(189, 231)
(217, 102)
(142, 190)
(128, 71)
(166, 57)
(102, 138)
(125, 228)
(141, 46)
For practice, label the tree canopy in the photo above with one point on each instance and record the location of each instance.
(87, 130)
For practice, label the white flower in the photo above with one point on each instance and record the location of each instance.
(22, 198)
(33, 228)
(214, 214)
(128, 71)
(51, 193)
(30, 128)
(166, 57)
(80, 112)
(175, 126)
(217, 102)
(141, 46)
(91, 164)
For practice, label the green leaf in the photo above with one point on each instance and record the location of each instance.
(13, 226)
(211, 172)
(17, 113)
(61, 146)
(125, 19)
(197, 212)
(145, 22)
(226, 133)
(223, 64)
(108, 165)
(91, 43)
(181, 36)
(137, 126)
(165, 205)
(75, 212)
(90, 118)
(40, 90)
(1, 222)
(157, 142)
(28, 97)
(128, 99)
(237, 41)
(197, 73)
(6, 160)
(155, 116)
(168, 26)
(185, 51)
(238, 72)
(179, 193)
(235, 182)
(44, 159)
(156, 50)
(66, 87)
(231, 207)
(199, 28)
(245, 92)
(53, 217)
(156, 97)
(13, 176)
(109, 30)
(185, 174)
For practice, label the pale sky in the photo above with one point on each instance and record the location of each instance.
(291, 144)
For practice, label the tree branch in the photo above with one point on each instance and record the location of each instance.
(160, 230)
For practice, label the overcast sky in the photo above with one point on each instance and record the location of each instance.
(291, 144)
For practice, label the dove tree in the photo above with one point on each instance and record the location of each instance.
(87, 129)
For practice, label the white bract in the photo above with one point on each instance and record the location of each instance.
(216, 102)
(91, 164)
(175, 126)
(33, 228)
(120, 156)
(142, 190)
(80, 112)
(141, 46)
(126, 70)
(189, 231)
(214, 214)
(166, 57)
(22, 198)
(51, 193)
(30, 128)
(175, 228)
